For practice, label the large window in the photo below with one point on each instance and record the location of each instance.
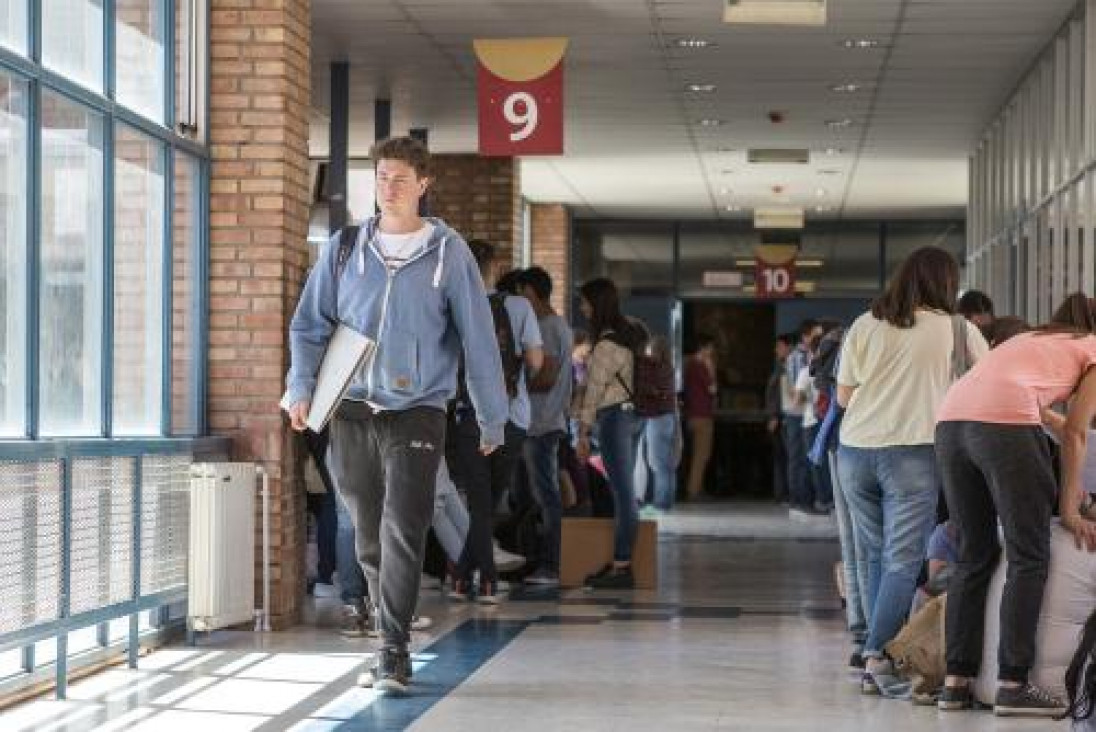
(139, 40)
(72, 40)
(13, 25)
(138, 283)
(13, 255)
(103, 233)
(71, 290)
(185, 304)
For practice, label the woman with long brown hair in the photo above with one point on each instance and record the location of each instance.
(997, 468)
(607, 407)
(896, 367)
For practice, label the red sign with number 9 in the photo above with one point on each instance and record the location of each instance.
(521, 118)
(520, 99)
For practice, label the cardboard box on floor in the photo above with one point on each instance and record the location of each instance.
(587, 546)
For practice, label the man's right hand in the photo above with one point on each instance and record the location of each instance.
(298, 415)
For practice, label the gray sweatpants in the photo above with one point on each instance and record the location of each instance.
(385, 466)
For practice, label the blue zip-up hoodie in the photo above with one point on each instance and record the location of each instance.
(421, 317)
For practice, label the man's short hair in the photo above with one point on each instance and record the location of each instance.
(538, 280)
(975, 302)
(508, 283)
(483, 251)
(807, 326)
(406, 150)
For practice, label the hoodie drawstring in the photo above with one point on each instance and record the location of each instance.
(441, 263)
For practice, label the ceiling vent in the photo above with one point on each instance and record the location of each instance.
(775, 12)
(784, 156)
(778, 218)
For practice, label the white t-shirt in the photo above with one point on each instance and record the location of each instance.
(805, 386)
(398, 249)
(901, 376)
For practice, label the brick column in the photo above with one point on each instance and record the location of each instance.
(480, 198)
(259, 100)
(551, 239)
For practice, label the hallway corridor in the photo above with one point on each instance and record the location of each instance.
(744, 633)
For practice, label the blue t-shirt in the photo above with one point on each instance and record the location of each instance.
(523, 321)
(550, 407)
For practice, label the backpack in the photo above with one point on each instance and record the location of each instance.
(653, 391)
(348, 237)
(508, 350)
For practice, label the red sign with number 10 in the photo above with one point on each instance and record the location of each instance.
(520, 91)
(775, 280)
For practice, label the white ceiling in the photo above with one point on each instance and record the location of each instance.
(633, 148)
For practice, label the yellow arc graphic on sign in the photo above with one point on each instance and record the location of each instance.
(776, 254)
(520, 59)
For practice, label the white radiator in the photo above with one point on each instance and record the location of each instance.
(222, 546)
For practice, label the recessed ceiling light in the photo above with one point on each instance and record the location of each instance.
(693, 43)
(710, 122)
(834, 151)
(732, 209)
(839, 124)
(823, 209)
(821, 193)
(846, 88)
(700, 88)
(860, 43)
(724, 191)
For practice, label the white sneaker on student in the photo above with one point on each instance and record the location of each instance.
(507, 561)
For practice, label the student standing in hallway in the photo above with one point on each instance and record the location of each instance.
(701, 389)
(896, 367)
(484, 479)
(550, 394)
(412, 286)
(997, 469)
(607, 406)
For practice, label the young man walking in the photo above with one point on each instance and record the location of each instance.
(412, 286)
(550, 395)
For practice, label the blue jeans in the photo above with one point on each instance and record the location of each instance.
(800, 490)
(451, 518)
(892, 494)
(855, 614)
(618, 436)
(820, 474)
(658, 454)
(541, 456)
(347, 568)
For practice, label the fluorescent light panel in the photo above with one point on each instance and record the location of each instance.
(775, 12)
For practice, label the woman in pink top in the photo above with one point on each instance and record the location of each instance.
(996, 463)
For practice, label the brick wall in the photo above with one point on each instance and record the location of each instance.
(551, 240)
(480, 198)
(259, 100)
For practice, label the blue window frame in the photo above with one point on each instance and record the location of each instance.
(108, 148)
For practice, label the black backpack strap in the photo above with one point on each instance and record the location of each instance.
(348, 237)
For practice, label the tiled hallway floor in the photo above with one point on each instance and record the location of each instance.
(744, 633)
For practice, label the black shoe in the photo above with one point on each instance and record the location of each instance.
(614, 579)
(1027, 701)
(955, 698)
(856, 662)
(598, 574)
(391, 671)
(356, 622)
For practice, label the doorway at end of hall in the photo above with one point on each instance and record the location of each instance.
(744, 333)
